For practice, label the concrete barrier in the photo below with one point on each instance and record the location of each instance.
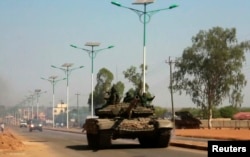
(236, 124)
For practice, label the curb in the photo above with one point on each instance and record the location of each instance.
(192, 146)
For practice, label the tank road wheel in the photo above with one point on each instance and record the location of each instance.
(104, 139)
(145, 141)
(100, 140)
(160, 139)
(163, 138)
(92, 140)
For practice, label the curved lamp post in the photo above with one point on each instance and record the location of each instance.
(53, 81)
(67, 71)
(32, 104)
(92, 54)
(144, 17)
(28, 100)
(38, 93)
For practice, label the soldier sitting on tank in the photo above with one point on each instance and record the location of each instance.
(113, 97)
(107, 96)
(145, 100)
(128, 98)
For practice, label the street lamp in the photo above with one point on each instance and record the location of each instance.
(23, 113)
(144, 17)
(77, 102)
(38, 93)
(28, 98)
(53, 81)
(67, 71)
(92, 54)
(32, 104)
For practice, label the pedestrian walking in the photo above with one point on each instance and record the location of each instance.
(2, 127)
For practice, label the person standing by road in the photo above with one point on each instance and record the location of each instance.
(2, 127)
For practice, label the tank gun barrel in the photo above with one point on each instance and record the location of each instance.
(132, 105)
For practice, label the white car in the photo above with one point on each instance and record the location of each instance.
(23, 124)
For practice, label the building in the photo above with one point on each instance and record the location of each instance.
(60, 108)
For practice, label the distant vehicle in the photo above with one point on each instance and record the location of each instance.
(35, 124)
(184, 119)
(23, 124)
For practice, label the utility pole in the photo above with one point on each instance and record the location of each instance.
(77, 102)
(170, 62)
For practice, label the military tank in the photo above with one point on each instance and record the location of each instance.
(127, 120)
(185, 120)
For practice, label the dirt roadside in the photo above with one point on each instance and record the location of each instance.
(11, 144)
(223, 134)
(10, 141)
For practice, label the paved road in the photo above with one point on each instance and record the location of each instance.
(180, 141)
(63, 144)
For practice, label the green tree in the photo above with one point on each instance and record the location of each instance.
(210, 70)
(119, 86)
(228, 111)
(216, 112)
(104, 79)
(245, 109)
(159, 111)
(194, 111)
(135, 78)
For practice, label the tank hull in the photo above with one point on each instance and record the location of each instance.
(150, 132)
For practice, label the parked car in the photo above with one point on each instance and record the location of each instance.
(35, 124)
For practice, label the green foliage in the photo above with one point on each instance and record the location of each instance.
(228, 111)
(196, 112)
(103, 85)
(216, 113)
(223, 112)
(104, 80)
(119, 86)
(245, 109)
(132, 92)
(159, 111)
(210, 70)
(136, 79)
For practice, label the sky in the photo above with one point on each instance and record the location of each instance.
(37, 34)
